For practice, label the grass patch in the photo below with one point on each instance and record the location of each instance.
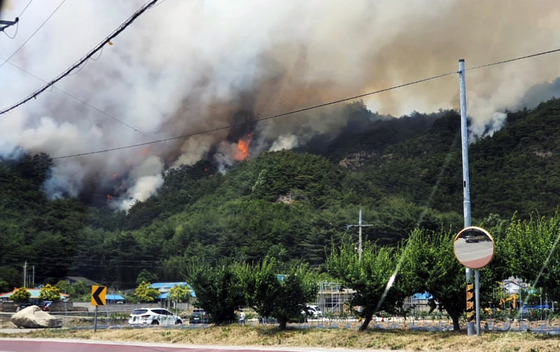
(247, 335)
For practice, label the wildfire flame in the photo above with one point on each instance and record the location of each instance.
(242, 151)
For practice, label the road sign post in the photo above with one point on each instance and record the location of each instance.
(98, 298)
(474, 248)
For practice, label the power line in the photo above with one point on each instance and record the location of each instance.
(33, 34)
(514, 59)
(307, 108)
(78, 99)
(256, 120)
(25, 8)
(121, 28)
(313, 107)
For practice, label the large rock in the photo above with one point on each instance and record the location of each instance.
(34, 317)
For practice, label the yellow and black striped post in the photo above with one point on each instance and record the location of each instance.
(470, 303)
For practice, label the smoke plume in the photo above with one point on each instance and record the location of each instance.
(189, 66)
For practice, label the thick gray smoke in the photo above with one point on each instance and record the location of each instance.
(186, 66)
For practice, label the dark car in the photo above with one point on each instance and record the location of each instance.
(199, 316)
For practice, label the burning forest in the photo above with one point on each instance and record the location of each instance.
(199, 81)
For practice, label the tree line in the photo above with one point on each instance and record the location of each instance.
(383, 277)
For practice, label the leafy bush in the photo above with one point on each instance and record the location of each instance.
(50, 293)
(180, 293)
(145, 293)
(21, 295)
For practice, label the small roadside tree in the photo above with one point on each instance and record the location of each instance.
(145, 293)
(65, 287)
(21, 295)
(530, 251)
(82, 291)
(436, 270)
(372, 277)
(180, 293)
(280, 297)
(219, 290)
(49, 293)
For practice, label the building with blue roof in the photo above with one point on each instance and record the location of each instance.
(114, 298)
(164, 287)
(163, 298)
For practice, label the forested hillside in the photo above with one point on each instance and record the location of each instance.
(403, 173)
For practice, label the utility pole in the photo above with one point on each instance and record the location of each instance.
(5, 24)
(466, 191)
(360, 225)
(25, 274)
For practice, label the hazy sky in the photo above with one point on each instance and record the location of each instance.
(191, 65)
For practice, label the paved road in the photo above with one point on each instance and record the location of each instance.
(39, 345)
(474, 254)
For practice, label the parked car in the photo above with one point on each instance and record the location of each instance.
(153, 316)
(314, 311)
(199, 316)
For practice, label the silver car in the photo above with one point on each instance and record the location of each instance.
(153, 316)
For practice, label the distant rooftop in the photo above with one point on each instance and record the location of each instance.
(164, 288)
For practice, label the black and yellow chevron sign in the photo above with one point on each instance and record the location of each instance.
(98, 295)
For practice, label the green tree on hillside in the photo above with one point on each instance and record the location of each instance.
(145, 276)
(10, 275)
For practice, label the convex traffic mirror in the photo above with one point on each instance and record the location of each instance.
(474, 247)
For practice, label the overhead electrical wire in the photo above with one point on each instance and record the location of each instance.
(256, 120)
(153, 2)
(79, 100)
(313, 107)
(514, 59)
(25, 8)
(97, 48)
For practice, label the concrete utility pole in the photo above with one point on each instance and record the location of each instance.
(466, 190)
(25, 274)
(5, 24)
(360, 225)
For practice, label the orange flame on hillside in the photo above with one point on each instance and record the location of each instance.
(242, 151)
